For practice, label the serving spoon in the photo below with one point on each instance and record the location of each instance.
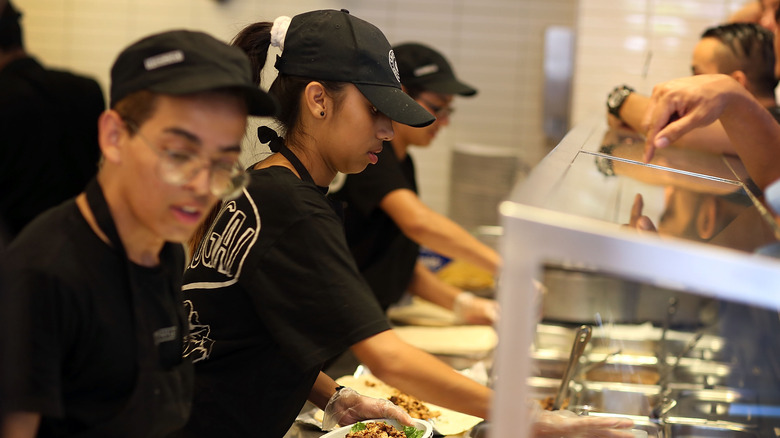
(581, 339)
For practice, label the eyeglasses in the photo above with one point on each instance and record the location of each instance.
(178, 165)
(438, 111)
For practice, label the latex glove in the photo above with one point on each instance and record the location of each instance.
(566, 424)
(347, 406)
(471, 309)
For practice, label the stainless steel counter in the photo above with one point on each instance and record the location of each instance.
(683, 302)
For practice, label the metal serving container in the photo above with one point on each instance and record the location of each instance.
(696, 428)
(612, 398)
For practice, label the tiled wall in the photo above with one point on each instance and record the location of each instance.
(637, 42)
(497, 45)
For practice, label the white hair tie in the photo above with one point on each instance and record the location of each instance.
(279, 31)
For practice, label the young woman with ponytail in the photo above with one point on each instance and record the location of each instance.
(272, 289)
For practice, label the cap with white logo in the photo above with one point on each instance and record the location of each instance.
(183, 62)
(333, 45)
(422, 67)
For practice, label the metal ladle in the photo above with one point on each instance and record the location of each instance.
(580, 342)
(665, 404)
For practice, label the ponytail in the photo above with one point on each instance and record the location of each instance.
(255, 40)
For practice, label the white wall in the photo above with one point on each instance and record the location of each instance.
(494, 44)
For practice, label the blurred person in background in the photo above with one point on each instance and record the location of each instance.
(681, 106)
(97, 279)
(385, 220)
(744, 51)
(48, 129)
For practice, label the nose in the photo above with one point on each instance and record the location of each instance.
(201, 181)
(385, 129)
(443, 120)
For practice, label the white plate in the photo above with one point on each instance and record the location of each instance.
(419, 424)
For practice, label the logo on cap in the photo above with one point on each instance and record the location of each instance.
(163, 59)
(394, 66)
(426, 70)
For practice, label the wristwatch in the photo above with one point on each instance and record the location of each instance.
(616, 98)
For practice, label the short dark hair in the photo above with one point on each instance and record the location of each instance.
(752, 52)
(10, 29)
(140, 106)
(137, 107)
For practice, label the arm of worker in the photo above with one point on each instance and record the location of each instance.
(20, 425)
(437, 232)
(323, 389)
(699, 100)
(344, 406)
(467, 307)
(555, 424)
(421, 375)
(749, 13)
(710, 138)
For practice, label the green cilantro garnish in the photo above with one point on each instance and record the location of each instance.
(412, 432)
(358, 427)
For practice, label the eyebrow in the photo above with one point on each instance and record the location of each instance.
(195, 139)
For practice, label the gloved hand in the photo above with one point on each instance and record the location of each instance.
(475, 310)
(566, 424)
(347, 406)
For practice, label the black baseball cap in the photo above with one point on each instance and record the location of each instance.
(335, 46)
(422, 67)
(183, 62)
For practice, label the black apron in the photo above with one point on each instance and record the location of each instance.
(162, 397)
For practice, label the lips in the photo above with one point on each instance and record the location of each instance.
(187, 214)
(372, 155)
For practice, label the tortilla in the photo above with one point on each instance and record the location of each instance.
(448, 423)
(466, 340)
(421, 312)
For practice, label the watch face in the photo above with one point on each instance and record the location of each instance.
(615, 98)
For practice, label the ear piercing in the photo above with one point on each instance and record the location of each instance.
(322, 113)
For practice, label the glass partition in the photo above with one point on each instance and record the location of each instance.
(665, 264)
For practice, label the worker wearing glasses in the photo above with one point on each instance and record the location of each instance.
(385, 220)
(98, 279)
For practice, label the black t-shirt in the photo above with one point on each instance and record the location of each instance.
(384, 255)
(48, 139)
(273, 293)
(80, 365)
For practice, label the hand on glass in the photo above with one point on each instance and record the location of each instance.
(347, 406)
(680, 105)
